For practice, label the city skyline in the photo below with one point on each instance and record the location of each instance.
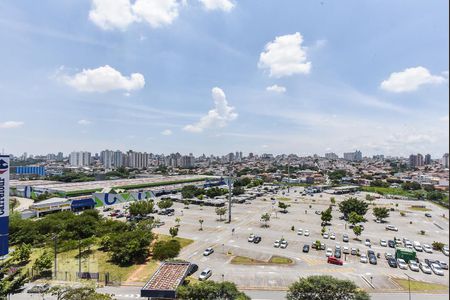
(195, 77)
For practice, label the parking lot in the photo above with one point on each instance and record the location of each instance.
(301, 215)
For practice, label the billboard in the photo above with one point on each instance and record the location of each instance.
(4, 204)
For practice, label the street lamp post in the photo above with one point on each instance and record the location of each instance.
(55, 237)
(409, 285)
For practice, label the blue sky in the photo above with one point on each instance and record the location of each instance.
(215, 76)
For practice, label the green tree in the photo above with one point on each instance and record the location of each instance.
(238, 190)
(435, 196)
(333, 200)
(178, 221)
(163, 250)
(324, 287)
(142, 208)
(201, 223)
(77, 293)
(210, 290)
(326, 216)
(43, 264)
(438, 246)
(283, 206)
(190, 191)
(380, 213)
(22, 253)
(12, 277)
(221, 211)
(164, 204)
(357, 230)
(130, 246)
(265, 218)
(411, 186)
(173, 231)
(353, 205)
(369, 197)
(354, 218)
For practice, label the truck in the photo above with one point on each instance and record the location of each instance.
(406, 254)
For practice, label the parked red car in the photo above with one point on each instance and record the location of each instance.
(335, 261)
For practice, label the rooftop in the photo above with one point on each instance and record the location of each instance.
(168, 277)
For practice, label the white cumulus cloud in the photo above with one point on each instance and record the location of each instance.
(109, 14)
(166, 132)
(225, 5)
(119, 14)
(11, 124)
(410, 80)
(84, 122)
(156, 12)
(285, 56)
(217, 117)
(276, 89)
(104, 79)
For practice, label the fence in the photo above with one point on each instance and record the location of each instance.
(105, 278)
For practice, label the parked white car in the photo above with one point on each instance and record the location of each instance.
(391, 227)
(329, 252)
(363, 258)
(325, 235)
(425, 268)
(332, 236)
(427, 248)
(283, 244)
(367, 243)
(205, 274)
(306, 232)
(383, 243)
(402, 264)
(300, 232)
(414, 266)
(251, 238)
(437, 269)
(417, 246)
(276, 244)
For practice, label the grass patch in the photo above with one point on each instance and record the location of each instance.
(284, 199)
(279, 260)
(420, 286)
(183, 242)
(243, 260)
(418, 208)
(387, 191)
(274, 260)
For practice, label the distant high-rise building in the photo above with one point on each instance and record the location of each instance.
(445, 161)
(187, 161)
(413, 161)
(60, 156)
(51, 156)
(137, 160)
(106, 158)
(427, 160)
(331, 155)
(353, 156)
(378, 157)
(118, 159)
(80, 159)
(420, 160)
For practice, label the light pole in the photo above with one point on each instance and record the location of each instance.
(55, 238)
(409, 285)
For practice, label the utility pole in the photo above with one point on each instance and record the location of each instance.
(55, 239)
(229, 197)
(289, 175)
(79, 258)
(409, 285)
